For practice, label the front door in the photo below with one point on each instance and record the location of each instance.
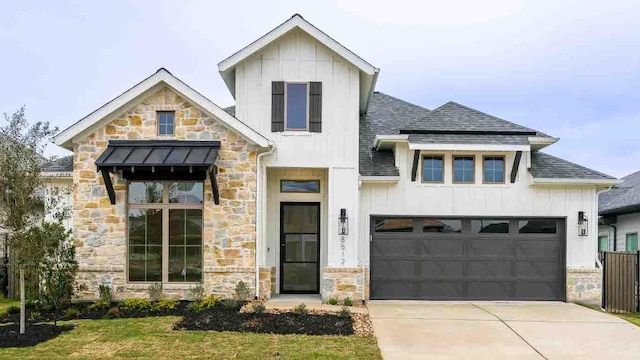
(299, 248)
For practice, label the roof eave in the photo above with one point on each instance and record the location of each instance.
(393, 179)
(540, 142)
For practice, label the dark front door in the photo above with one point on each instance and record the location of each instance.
(300, 247)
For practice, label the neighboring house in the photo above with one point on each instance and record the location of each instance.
(316, 183)
(619, 210)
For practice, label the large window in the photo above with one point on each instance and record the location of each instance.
(493, 169)
(432, 168)
(166, 122)
(296, 107)
(463, 169)
(165, 231)
(632, 242)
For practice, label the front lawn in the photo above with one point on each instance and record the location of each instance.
(153, 337)
(5, 303)
(633, 318)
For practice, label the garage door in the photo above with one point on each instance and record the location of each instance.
(467, 259)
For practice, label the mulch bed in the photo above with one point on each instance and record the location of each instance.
(34, 334)
(317, 323)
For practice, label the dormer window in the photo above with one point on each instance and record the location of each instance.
(297, 110)
(166, 122)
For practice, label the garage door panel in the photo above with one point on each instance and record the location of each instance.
(468, 265)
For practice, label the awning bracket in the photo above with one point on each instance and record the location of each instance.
(213, 173)
(516, 165)
(109, 185)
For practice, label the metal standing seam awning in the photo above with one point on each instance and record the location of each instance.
(159, 160)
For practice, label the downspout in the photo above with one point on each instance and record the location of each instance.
(359, 258)
(272, 149)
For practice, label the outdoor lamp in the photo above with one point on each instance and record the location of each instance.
(583, 224)
(343, 223)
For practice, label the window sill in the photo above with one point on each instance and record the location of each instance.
(423, 184)
(165, 286)
(296, 133)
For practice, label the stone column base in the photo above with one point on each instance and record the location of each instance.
(341, 283)
(584, 285)
(267, 281)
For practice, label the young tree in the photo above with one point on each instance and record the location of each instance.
(23, 203)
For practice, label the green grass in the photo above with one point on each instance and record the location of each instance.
(5, 303)
(154, 338)
(633, 318)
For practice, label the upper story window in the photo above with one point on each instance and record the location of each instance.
(166, 122)
(297, 110)
(463, 169)
(432, 168)
(493, 169)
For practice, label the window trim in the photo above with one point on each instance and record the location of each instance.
(453, 169)
(504, 169)
(158, 112)
(301, 192)
(286, 101)
(165, 206)
(442, 157)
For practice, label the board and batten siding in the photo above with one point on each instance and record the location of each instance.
(483, 200)
(298, 57)
(626, 224)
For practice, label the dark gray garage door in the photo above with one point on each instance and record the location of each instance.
(464, 259)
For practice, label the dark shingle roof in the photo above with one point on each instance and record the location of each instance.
(231, 110)
(469, 139)
(622, 198)
(386, 116)
(63, 164)
(550, 167)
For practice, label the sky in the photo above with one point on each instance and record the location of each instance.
(568, 68)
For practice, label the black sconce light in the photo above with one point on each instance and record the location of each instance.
(343, 223)
(583, 224)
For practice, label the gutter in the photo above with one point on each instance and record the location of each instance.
(272, 149)
(564, 181)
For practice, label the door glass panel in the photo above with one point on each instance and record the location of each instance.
(298, 219)
(442, 225)
(302, 277)
(301, 247)
(490, 226)
(537, 226)
(393, 225)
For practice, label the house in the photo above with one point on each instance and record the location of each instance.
(619, 210)
(316, 183)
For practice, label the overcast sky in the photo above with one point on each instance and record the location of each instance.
(568, 68)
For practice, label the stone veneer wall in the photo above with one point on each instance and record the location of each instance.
(229, 228)
(584, 286)
(343, 283)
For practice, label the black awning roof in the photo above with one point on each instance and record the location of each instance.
(159, 160)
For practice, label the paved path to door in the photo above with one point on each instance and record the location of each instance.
(500, 330)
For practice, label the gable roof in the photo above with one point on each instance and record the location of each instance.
(368, 72)
(622, 198)
(146, 87)
(546, 168)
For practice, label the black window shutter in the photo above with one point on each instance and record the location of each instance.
(315, 107)
(277, 106)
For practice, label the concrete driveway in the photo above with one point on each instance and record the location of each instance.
(500, 330)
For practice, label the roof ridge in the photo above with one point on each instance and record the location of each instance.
(578, 165)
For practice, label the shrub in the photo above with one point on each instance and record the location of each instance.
(35, 316)
(347, 302)
(333, 301)
(72, 313)
(13, 309)
(242, 292)
(258, 308)
(197, 293)
(345, 312)
(30, 304)
(114, 312)
(99, 306)
(301, 309)
(106, 294)
(230, 304)
(155, 292)
(47, 307)
(136, 304)
(209, 302)
(194, 306)
(164, 304)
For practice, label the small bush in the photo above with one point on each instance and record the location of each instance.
(72, 313)
(242, 292)
(209, 302)
(35, 316)
(30, 304)
(106, 293)
(333, 301)
(155, 292)
(258, 308)
(230, 304)
(99, 306)
(194, 306)
(47, 307)
(347, 302)
(197, 293)
(301, 309)
(345, 312)
(13, 309)
(114, 312)
(164, 304)
(136, 304)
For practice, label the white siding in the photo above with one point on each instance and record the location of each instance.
(518, 199)
(626, 224)
(62, 188)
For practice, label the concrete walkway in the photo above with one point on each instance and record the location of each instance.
(500, 330)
